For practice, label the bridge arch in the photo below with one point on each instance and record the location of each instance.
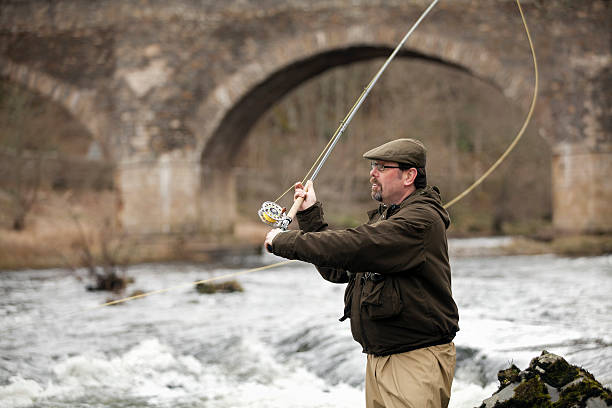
(236, 104)
(80, 103)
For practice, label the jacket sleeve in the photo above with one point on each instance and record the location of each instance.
(311, 220)
(387, 246)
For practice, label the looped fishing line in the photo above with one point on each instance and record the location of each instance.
(521, 131)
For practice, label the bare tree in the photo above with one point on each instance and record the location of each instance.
(101, 249)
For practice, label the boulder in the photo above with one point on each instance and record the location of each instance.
(549, 381)
(224, 287)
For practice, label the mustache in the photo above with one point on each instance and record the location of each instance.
(373, 180)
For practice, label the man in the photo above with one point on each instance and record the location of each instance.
(398, 296)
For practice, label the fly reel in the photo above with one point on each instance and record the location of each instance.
(274, 215)
(278, 217)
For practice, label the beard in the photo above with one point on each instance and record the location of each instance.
(376, 194)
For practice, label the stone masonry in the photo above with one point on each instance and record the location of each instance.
(171, 89)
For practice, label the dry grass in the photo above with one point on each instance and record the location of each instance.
(52, 238)
(59, 223)
(51, 235)
(57, 227)
(526, 246)
(583, 245)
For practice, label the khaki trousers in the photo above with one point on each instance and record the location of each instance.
(416, 379)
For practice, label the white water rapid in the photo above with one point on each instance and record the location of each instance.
(279, 343)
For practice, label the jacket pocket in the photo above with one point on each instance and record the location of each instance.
(381, 300)
(348, 296)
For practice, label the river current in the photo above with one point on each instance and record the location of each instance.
(279, 343)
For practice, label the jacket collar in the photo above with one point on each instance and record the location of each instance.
(393, 208)
(415, 194)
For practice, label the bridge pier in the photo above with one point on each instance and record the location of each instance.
(217, 200)
(158, 196)
(582, 189)
(175, 195)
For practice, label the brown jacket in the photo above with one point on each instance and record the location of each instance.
(398, 295)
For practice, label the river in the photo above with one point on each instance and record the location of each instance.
(279, 343)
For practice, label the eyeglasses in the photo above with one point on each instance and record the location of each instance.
(381, 167)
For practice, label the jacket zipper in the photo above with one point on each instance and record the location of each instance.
(366, 343)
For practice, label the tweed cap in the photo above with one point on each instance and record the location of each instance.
(404, 151)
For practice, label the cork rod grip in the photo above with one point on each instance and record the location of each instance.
(295, 207)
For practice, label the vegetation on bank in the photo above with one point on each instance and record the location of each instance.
(582, 245)
(53, 240)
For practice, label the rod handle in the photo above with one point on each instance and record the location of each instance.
(294, 208)
(296, 205)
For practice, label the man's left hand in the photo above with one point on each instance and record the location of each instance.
(270, 237)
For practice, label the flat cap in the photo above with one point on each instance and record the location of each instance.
(405, 151)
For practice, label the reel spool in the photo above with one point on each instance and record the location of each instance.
(274, 215)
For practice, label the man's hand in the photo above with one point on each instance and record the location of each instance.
(308, 193)
(270, 237)
(310, 198)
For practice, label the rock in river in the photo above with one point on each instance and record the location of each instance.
(549, 381)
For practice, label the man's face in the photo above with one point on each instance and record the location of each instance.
(387, 185)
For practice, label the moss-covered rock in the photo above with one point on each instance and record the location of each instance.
(585, 391)
(549, 382)
(226, 287)
(554, 370)
(508, 376)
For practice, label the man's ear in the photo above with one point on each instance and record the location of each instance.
(410, 176)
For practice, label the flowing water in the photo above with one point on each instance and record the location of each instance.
(279, 343)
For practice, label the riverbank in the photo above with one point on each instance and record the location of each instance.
(567, 246)
(74, 229)
(45, 248)
(75, 247)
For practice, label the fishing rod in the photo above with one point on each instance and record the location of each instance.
(274, 215)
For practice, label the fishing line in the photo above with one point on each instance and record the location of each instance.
(184, 285)
(156, 292)
(521, 131)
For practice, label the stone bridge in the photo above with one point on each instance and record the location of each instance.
(171, 89)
